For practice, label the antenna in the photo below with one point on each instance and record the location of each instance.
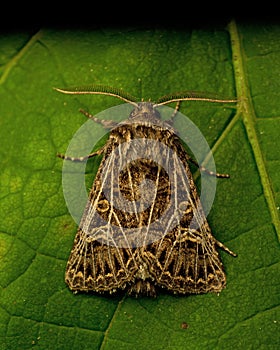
(100, 90)
(163, 100)
(192, 96)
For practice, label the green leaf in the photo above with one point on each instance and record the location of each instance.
(37, 310)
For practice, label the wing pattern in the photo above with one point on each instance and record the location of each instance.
(143, 225)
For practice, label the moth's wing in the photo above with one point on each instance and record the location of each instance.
(97, 262)
(185, 259)
(188, 262)
(105, 255)
(93, 266)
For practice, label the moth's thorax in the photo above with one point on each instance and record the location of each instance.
(145, 112)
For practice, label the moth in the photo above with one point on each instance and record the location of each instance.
(139, 232)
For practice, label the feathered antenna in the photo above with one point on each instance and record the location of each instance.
(99, 90)
(192, 96)
(124, 96)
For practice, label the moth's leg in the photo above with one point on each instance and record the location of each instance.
(209, 172)
(81, 159)
(222, 246)
(108, 124)
(202, 168)
(171, 120)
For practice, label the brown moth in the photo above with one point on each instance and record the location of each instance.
(135, 246)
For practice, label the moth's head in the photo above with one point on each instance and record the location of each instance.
(145, 111)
